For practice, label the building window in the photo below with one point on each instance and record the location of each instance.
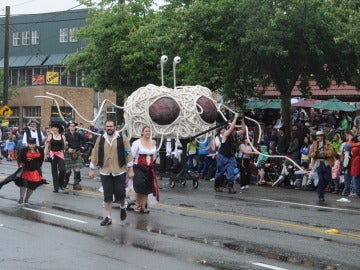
(25, 38)
(14, 118)
(72, 32)
(15, 112)
(64, 35)
(16, 39)
(35, 37)
(32, 112)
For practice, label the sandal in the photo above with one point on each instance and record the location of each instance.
(137, 208)
(260, 183)
(144, 211)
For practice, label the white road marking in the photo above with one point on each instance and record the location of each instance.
(53, 215)
(311, 205)
(268, 266)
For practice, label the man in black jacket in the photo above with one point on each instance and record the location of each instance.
(283, 142)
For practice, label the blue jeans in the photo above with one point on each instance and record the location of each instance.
(324, 173)
(225, 165)
(356, 184)
(347, 182)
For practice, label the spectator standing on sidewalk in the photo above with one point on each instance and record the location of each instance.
(282, 142)
(112, 154)
(355, 170)
(245, 155)
(346, 167)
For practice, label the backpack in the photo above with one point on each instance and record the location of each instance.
(345, 167)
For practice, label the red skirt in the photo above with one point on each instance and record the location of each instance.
(31, 176)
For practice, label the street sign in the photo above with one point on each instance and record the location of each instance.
(5, 111)
(5, 123)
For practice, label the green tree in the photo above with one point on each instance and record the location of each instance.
(13, 91)
(114, 57)
(228, 45)
(289, 40)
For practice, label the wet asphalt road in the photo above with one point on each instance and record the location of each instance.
(259, 228)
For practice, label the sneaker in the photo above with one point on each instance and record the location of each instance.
(122, 214)
(26, 203)
(243, 187)
(217, 189)
(321, 199)
(20, 201)
(232, 190)
(106, 221)
(63, 191)
(246, 186)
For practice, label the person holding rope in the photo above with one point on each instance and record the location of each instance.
(225, 159)
(322, 154)
(112, 154)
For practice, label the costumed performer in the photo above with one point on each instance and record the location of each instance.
(144, 153)
(28, 176)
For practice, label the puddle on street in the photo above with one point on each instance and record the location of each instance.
(125, 237)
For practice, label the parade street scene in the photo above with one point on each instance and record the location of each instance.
(258, 228)
(180, 134)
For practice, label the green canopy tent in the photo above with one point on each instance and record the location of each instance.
(255, 104)
(272, 104)
(334, 104)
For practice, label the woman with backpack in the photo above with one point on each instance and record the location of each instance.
(345, 167)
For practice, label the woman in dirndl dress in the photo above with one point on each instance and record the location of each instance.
(144, 152)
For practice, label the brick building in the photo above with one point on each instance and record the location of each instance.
(86, 101)
(39, 43)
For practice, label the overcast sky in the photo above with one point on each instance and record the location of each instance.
(41, 6)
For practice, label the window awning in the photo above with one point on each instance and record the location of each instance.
(36, 60)
(55, 59)
(20, 61)
(16, 61)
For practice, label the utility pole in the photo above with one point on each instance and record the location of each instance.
(6, 57)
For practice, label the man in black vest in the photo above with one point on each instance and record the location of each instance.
(33, 131)
(112, 154)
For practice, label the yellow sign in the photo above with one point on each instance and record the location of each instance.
(52, 77)
(5, 123)
(5, 111)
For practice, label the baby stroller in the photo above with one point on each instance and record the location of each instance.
(287, 175)
(273, 171)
